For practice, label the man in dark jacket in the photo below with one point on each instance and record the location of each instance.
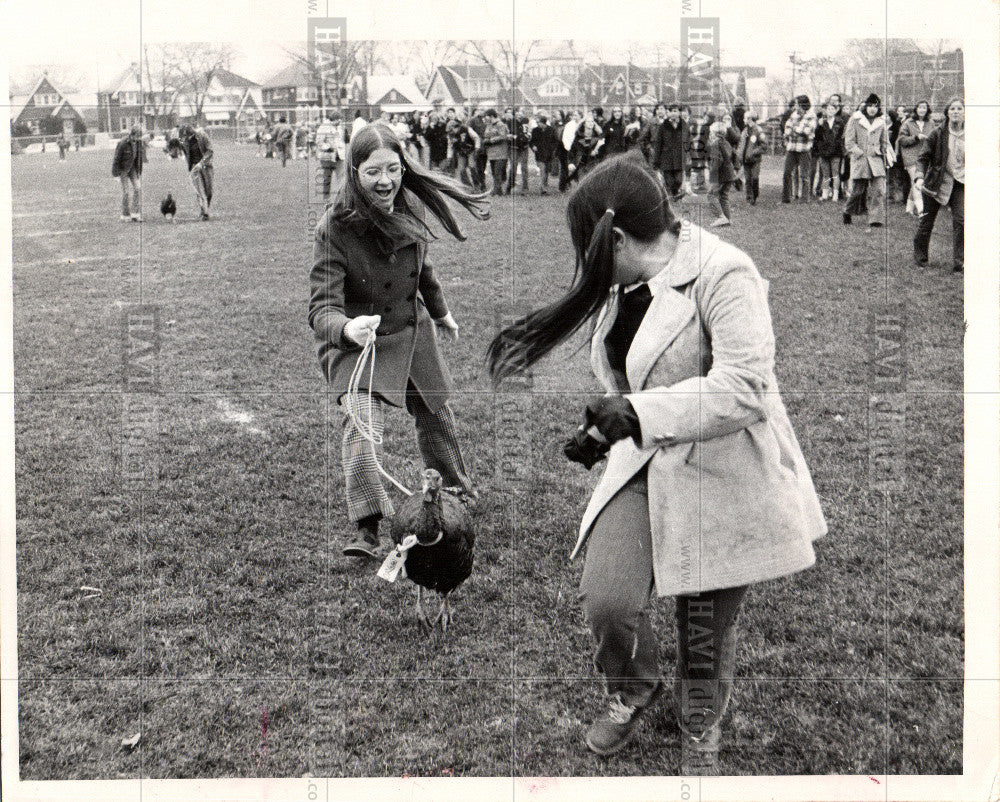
(651, 130)
(670, 150)
(520, 147)
(127, 166)
(544, 144)
(478, 124)
(198, 152)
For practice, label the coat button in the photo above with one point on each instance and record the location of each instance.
(388, 284)
(411, 322)
(413, 274)
(387, 310)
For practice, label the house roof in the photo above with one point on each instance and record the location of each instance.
(229, 78)
(608, 72)
(379, 86)
(295, 74)
(131, 72)
(472, 72)
(19, 102)
(451, 83)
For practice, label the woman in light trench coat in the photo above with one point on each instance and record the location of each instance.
(706, 490)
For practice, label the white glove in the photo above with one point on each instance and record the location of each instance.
(447, 323)
(358, 329)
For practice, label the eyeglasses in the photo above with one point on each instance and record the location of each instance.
(375, 173)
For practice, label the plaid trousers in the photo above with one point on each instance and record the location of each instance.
(436, 439)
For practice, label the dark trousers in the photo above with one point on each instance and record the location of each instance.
(674, 179)
(801, 160)
(479, 162)
(563, 168)
(499, 169)
(752, 173)
(283, 148)
(926, 224)
(520, 160)
(615, 589)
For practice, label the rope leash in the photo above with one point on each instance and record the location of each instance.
(367, 431)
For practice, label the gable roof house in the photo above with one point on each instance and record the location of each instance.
(48, 110)
(396, 93)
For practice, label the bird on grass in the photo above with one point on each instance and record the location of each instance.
(442, 557)
(168, 208)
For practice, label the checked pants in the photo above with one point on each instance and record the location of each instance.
(436, 439)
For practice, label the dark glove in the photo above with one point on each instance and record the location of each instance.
(585, 449)
(614, 418)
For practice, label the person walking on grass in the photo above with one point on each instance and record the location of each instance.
(800, 129)
(671, 151)
(753, 146)
(497, 140)
(866, 138)
(126, 166)
(939, 175)
(197, 149)
(544, 142)
(284, 139)
(721, 173)
(829, 148)
(705, 491)
(912, 136)
(332, 149)
(371, 278)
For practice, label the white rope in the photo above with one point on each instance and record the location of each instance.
(353, 398)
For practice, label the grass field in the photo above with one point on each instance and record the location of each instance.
(232, 634)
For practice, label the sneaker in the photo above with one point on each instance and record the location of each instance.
(920, 261)
(204, 216)
(700, 756)
(613, 730)
(721, 221)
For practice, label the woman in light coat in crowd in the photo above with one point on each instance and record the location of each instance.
(912, 135)
(866, 139)
(706, 491)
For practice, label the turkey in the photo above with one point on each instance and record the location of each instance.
(441, 559)
(168, 208)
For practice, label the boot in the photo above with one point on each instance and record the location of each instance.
(366, 542)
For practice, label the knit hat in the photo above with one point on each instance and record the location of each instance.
(873, 99)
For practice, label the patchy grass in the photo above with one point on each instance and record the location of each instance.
(234, 636)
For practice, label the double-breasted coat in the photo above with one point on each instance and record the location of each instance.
(353, 276)
(867, 143)
(731, 500)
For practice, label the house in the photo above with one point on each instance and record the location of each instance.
(294, 93)
(230, 100)
(120, 106)
(48, 110)
(463, 85)
(396, 93)
(626, 85)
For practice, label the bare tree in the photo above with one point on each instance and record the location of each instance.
(426, 56)
(507, 60)
(159, 78)
(197, 63)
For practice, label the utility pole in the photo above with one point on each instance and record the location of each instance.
(792, 59)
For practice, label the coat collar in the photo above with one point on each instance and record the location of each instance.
(871, 126)
(695, 246)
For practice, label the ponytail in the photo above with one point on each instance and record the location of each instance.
(527, 340)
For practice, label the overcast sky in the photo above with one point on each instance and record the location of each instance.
(99, 40)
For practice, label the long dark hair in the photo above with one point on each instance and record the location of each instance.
(916, 111)
(353, 206)
(623, 192)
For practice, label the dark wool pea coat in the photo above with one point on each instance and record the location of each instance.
(351, 276)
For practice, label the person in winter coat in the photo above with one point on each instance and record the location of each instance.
(477, 122)
(912, 136)
(799, 130)
(753, 146)
(371, 279)
(706, 490)
(197, 150)
(940, 176)
(332, 150)
(671, 151)
(866, 138)
(721, 173)
(437, 141)
(126, 165)
(284, 139)
(614, 134)
(466, 144)
(521, 143)
(650, 131)
(544, 143)
(497, 139)
(828, 147)
(583, 152)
